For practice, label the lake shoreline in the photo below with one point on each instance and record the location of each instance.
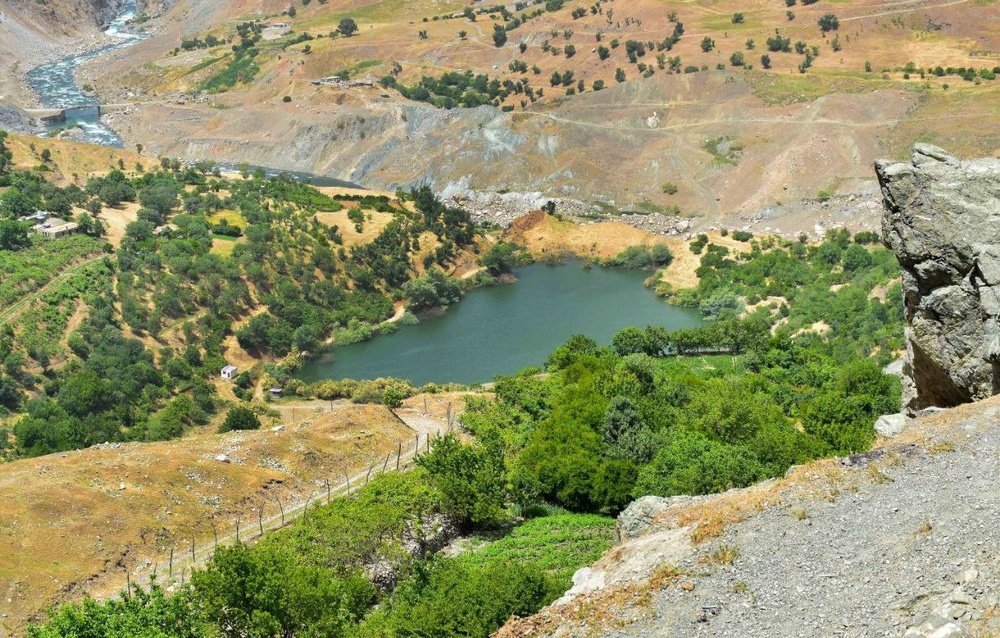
(524, 322)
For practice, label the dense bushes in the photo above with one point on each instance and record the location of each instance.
(311, 579)
(639, 257)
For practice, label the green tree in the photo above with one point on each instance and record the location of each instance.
(568, 353)
(263, 592)
(470, 477)
(829, 22)
(142, 614)
(13, 234)
(691, 463)
(629, 340)
(433, 289)
(499, 35)
(347, 27)
(502, 257)
(625, 434)
(240, 418)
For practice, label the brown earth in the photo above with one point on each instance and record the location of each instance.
(545, 235)
(737, 142)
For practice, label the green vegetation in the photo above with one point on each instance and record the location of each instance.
(467, 90)
(640, 257)
(289, 283)
(311, 579)
(242, 69)
(607, 424)
(767, 390)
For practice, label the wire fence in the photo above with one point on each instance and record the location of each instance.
(186, 551)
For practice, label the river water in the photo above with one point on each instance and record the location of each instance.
(503, 329)
(57, 89)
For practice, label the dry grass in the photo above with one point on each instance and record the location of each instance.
(74, 522)
(116, 219)
(941, 447)
(681, 273)
(73, 162)
(224, 247)
(724, 555)
(544, 235)
(711, 519)
(374, 224)
(663, 576)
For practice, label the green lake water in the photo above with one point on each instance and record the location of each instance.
(502, 329)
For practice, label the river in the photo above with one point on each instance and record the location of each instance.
(56, 87)
(503, 329)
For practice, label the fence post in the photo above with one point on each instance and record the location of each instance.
(448, 417)
(386, 464)
(416, 445)
(399, 453)
(192, 550)
(215, 533)
(237, 530)
(328, 491)
(305, 510)
(260, 518)
(170, 565)
(282, 508)
(128, 584)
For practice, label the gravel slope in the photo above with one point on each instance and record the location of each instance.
(900, 541)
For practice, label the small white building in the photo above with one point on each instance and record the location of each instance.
(229, 372)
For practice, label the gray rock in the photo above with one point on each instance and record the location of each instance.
(890, 425)
(639, 515)
(942, 220)
(938, 625)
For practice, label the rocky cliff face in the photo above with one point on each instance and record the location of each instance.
(942, 219)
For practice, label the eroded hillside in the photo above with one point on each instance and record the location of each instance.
(696, 107)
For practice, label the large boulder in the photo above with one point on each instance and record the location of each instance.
(942, 220)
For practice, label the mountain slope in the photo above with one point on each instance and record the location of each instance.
(899, 537)
(736, 138)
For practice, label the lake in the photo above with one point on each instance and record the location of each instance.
(502, 329)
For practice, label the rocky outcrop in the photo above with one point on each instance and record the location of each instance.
(942, 219)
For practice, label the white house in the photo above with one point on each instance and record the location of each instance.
(229, 372)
